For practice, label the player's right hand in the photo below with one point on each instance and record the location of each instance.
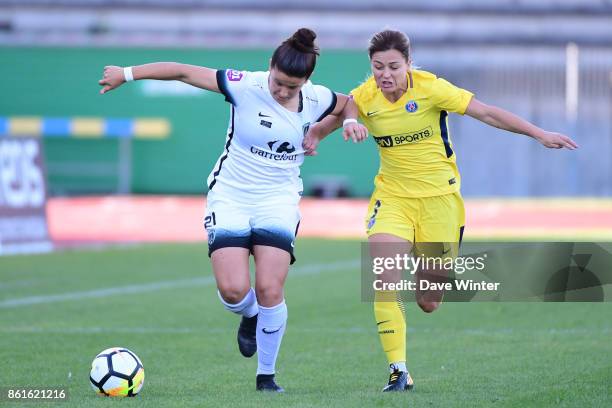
(355, 131)
(112, 77)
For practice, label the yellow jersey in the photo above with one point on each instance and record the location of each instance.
(416, 152)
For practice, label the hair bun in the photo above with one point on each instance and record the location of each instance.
(303, 40)
(297, 55)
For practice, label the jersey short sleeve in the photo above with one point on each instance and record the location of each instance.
(233, 84)
(359, 97)
(327, 101)
(449, 97)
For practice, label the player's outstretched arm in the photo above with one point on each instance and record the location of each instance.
(201, 77)
(345, 109)
(502, 119)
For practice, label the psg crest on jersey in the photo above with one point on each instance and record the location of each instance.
(412, 106)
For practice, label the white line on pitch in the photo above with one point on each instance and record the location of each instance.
(355, 329)
(155, 286)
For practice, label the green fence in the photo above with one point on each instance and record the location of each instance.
(62, 82)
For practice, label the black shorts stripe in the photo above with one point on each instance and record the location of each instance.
(222, 85)
(229, 242)
(266, 238)
(461, 234)
(444, 133)
(331, 107)
(230, 135)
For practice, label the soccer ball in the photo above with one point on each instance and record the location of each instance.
(117, 372)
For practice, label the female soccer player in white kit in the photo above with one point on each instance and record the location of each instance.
(255, 186)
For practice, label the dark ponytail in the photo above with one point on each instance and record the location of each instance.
(297, 55)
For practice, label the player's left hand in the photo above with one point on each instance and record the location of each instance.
(355, 131)
(555, 140)
(311, 141)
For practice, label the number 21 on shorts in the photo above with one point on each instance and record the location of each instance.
(210, 220)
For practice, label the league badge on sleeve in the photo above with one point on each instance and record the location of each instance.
(412, 106)
(233, 75)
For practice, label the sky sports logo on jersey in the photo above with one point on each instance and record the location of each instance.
(404, 138)
(279, 151)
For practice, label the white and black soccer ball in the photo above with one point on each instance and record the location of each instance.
(117, 372)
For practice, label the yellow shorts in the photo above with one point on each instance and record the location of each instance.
(427, 219)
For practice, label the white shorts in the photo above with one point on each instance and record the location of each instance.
(234, 224)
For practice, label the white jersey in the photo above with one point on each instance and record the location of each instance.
(263, 150)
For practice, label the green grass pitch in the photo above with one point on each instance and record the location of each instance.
(58, 310)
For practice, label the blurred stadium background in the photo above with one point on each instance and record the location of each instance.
(549, 61)
(131, 166)
(513, 53)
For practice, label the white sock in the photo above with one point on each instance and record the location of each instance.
(271, 324)
(399, 366)
(246, 307)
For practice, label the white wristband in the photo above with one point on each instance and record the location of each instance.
(347, 121)
(127, 74)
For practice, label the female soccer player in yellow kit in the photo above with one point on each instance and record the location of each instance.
(416, 197)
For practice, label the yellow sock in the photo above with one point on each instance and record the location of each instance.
(391, 324)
